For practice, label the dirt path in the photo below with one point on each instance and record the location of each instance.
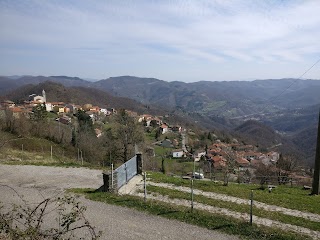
(223, 197)
(34, 183)
(243, 216)
(233, 214)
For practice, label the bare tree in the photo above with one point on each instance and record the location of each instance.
(9, 121)
(23, 126)
(229, 168)
(286, 165)
(127, 132)
(265, 173)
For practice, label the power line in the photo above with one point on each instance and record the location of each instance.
(310, 68)
(272, 99)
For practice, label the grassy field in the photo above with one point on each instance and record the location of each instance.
(212, 106)
(243, 208)
(284, 196)
(200, 218)
(151, 136)
(18, 157)
(37, 151)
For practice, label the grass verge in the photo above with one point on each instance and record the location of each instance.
(200, 218)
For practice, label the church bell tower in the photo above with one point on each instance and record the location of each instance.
(44, 96)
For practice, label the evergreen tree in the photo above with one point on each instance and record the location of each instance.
(39, 112)
(209, 136)
(158, 134)
(84, 121)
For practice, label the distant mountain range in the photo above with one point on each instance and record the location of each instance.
(229, 99)
(289, 106)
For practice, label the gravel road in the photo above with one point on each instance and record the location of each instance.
(34, 183)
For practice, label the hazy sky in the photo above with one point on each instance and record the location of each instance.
(184, 40)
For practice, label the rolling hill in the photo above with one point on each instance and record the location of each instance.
(223, 99)
(227, 99)
(79, 95)
(7, 84)
(289, 106)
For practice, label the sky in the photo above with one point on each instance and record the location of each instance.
(172, 40)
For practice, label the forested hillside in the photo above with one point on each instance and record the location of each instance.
(57, 92)
(289, 106)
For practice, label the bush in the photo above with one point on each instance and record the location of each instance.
(25, 222)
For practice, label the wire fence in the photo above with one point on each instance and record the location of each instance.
(41, 152)
(264, 181)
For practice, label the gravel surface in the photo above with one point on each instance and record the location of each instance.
(34, 183)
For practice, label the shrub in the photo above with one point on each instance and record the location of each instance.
(26, 222)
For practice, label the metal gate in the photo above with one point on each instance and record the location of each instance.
(126, 171)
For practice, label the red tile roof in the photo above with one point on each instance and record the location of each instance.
(242, 161)
(16, 109)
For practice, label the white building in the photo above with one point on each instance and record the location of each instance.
(177, 153)
(40, 99)
(49, 107)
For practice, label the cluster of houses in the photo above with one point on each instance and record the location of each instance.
(154, 121)
(243, 155)
(218, 153)
(64, 110)
(234, 156)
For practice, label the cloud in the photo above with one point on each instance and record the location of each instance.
(183, 31)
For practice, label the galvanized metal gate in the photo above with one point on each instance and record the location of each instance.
(125, 172)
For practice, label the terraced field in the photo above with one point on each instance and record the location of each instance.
(296, 212)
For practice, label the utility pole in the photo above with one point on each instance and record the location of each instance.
(316, 174)
(145, 186)
(193, 176)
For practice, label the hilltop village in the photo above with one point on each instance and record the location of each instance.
(220, 154)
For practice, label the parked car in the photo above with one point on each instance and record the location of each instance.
(197, 175)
